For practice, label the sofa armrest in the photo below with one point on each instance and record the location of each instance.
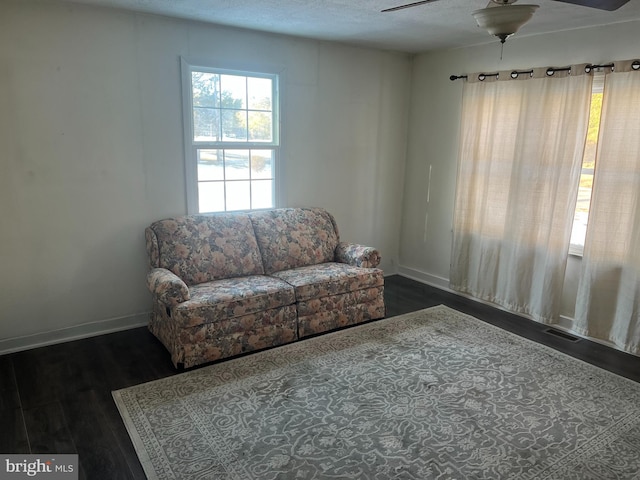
(357, 255)
(167, 287)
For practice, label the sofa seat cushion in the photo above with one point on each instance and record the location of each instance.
(316, 281)
(232, 297)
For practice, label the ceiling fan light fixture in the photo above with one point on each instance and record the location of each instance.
(505, 20)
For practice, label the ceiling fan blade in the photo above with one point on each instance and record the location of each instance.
(609, 5)
(408, 5)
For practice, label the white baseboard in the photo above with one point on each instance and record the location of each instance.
(564, 323)
(76, 332)
(423, 277)
(443, 284)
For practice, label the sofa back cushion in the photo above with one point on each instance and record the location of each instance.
(203, 248)
(294, 237)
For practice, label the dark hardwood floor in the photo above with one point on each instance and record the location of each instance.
(57, 399)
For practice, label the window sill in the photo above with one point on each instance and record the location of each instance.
(576, 250)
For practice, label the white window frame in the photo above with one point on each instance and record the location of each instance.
(191, 146)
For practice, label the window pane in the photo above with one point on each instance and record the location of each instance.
(260, 93)
(234, 109)
(581, 217)
(236, 164)
(205, 88)
(579, 231)
(210, 165)
(238, 195)
(234, 91)
(262, 164)
(262, 194)
(234, 125)
(260, 127)
(206, 124)
(210, 197)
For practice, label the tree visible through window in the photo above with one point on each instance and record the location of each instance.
(233, 138)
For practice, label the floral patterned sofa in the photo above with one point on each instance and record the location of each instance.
(231, 283)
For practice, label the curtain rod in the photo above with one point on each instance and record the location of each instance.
(550, 71)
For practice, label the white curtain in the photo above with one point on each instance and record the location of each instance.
(608, 301)
(522, 143)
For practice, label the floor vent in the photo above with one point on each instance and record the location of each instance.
(560, 334)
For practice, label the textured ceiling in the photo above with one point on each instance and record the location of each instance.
(441, 24)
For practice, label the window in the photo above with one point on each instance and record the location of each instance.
(231, 138)
(581, 217)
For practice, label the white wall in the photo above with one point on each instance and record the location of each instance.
(91, 152)
(434, 128)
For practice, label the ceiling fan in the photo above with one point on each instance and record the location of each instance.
(502, 19)
(609, 5)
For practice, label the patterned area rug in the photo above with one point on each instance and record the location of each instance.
(434, 394)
